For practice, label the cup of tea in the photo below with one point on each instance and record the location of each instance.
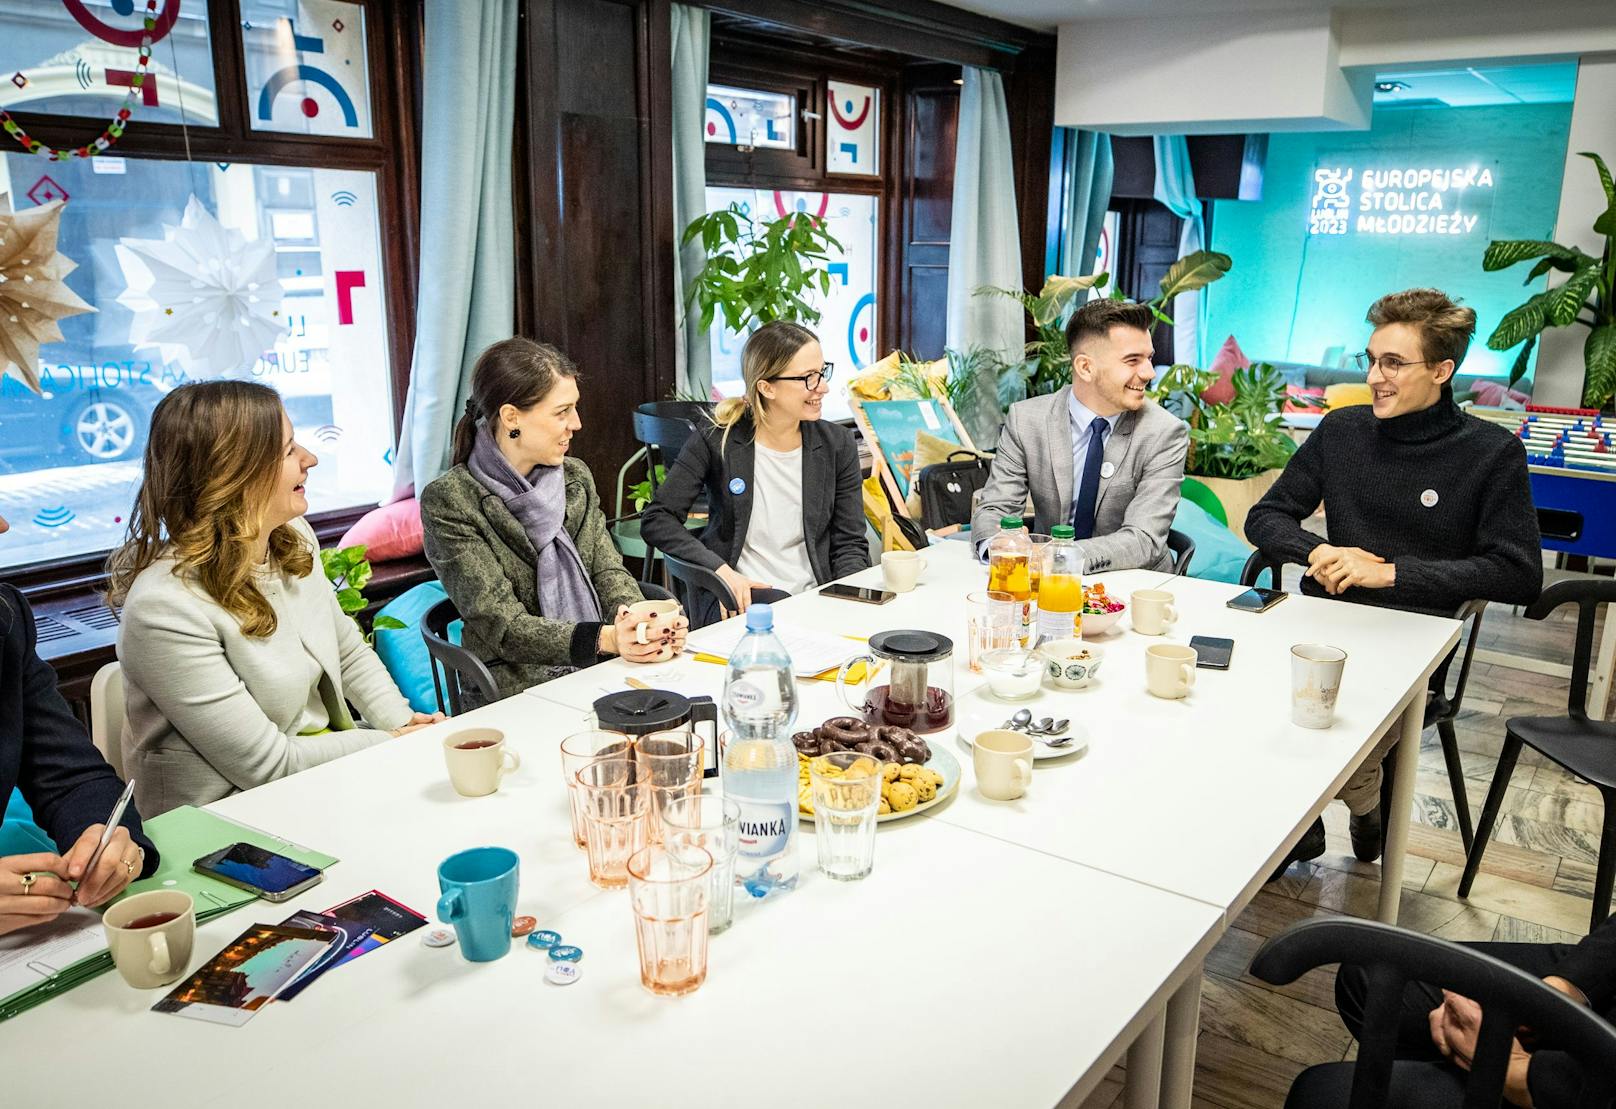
(477, 760)
(649, 619)
(1003, 763)
(1153, 611)
(900, 570)
(150, 935)
(1169, 670)
(1315, 681)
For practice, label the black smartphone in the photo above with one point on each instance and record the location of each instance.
(1258, 600)
(247, 866)
(1212, 654)
(857, 593)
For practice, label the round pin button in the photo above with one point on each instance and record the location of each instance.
(1107, 469)
(544, 939)
(737, 485)
(522, 925)
(563, 974)
(1429, 498)
(565, 953)
(438, 937)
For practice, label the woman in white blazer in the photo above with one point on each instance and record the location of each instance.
(239, 665)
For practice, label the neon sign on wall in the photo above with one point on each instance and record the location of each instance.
(1411, 200)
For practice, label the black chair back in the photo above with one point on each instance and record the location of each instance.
(1509, 997)
(692, 584)
(663, 436)
(1183, 548)
(1256, 564)
(459, 667)
(1587, 594)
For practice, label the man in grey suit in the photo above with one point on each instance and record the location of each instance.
(1097, 454)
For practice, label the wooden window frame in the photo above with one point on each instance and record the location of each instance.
(393, 154)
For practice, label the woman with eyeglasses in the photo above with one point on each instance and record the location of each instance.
(783, 485)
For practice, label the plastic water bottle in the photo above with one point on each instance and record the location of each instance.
(1060, 587)
(760, 762)
(1010, 571)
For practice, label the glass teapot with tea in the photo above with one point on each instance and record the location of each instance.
(919, 691)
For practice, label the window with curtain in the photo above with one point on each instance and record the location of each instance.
(234, 230)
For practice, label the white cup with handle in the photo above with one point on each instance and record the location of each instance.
(649, 619)
(1153, 611)
(901, 570)
(1003, 764)
(1169, 670)
(478, 759)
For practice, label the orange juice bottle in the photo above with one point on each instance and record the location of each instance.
(1010, 570)
(1060, 587)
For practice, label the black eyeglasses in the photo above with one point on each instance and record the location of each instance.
(1389, 364)
(814, 379)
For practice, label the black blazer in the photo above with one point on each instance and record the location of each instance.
(832, 499)
(44, 749)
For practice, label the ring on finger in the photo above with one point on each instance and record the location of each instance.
(28, 881)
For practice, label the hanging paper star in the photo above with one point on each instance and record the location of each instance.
(33, 295)
(203, 294)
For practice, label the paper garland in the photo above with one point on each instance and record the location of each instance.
(203, 294)
(33, 295)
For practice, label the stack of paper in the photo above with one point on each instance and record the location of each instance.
(812, 652)
(40, 962)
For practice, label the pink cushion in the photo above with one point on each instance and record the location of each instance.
(389, 532)
(1494, 394)
(1302, 391)
(1229, 359)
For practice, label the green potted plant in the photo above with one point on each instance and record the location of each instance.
(348, 571)
(1586, 296)
(759, 272)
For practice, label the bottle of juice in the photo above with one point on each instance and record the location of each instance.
(1060, 587)
(1010, 570)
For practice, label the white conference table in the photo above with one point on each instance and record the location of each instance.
(965, 971)
(1202, 797)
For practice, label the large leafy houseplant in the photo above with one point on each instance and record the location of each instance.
(1586, 296)
(1243, 438)
(759, 272)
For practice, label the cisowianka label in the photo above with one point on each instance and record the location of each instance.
(765, 826)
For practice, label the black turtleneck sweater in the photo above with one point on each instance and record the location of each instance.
(1442, 495)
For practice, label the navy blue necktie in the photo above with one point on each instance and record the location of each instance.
(1088, 486)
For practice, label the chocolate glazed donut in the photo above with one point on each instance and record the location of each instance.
(845, 730)
(881, 749)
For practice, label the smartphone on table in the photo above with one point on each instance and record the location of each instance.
(859, 593)
(1258, 600)
(247, 866)
(1210, 653)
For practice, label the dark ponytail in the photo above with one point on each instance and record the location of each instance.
(517, 372)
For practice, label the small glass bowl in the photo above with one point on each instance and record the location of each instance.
(1013, 674)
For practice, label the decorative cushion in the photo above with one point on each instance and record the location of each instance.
(1220, 554)
(1495, 394)
(1298, 391)
(403, 651)
(1228, 360)
(389, 532)
(1347, 394)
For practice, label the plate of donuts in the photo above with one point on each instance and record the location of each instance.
(917, 775)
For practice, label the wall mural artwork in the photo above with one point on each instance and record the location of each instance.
(853, 132)
(846, 327)
(308, 74)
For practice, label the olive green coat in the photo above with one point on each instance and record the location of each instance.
(486, 563)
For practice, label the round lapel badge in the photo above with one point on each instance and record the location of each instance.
(1429, 498)
(737, 486)
(1107, 469)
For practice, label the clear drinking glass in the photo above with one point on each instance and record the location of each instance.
(671, 764)
(847, 791)
(616, 806)
(577, 752)
(668, 886)
(711, 821)
(993, 623)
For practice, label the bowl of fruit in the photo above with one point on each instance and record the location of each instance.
(1100, 612)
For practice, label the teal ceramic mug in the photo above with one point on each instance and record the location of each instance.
(479, 899)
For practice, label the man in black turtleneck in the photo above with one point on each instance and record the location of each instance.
(1425, 507)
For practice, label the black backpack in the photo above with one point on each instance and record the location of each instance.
(948, 488)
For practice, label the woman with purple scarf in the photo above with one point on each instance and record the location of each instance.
(516, 533)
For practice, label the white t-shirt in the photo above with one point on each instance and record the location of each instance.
(776, 550)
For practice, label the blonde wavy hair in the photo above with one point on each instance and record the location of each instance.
(212, 460)
(767, 354)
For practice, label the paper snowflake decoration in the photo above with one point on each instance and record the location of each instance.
(33, 294)
(203, 295)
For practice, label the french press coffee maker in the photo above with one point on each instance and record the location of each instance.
(919, 691)
(637, 712)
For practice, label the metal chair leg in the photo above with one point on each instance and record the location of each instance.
(1489, 810)
(1606, 869)
(1456, 781)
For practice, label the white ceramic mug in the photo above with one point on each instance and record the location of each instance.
(159, 953)
(649, 618)
(1153, 611)
(900, 570)
(1003, 762)
(1169, 670)
(477, 760)
(1315, 681)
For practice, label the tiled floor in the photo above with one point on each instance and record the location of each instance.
(1535, 883)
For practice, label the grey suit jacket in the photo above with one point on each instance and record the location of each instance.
(1145, 452)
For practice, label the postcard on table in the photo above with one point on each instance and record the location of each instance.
(247, 974)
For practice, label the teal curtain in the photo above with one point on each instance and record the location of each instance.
(1086, 197)
(693, 352)
(984, 247)
(1175, 187)
(467, 293)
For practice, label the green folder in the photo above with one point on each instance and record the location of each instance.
(182, 836)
